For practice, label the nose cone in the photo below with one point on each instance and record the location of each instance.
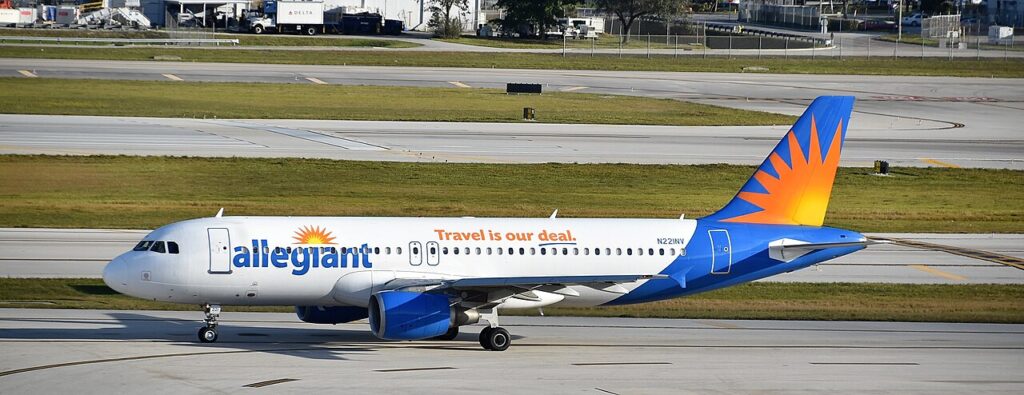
(115, 275)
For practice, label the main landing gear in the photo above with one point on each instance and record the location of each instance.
(208, 333)
(494, 337)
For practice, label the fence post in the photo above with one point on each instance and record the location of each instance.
(978, 47)
(759, 47)
(675, 49)
(563, 45)
(813, 47)
(922, 47)
(593, 43)
(730, 45)
(869, 47)
(896, 49)
(648, 45)
(705, 56)
(840, 48)
(620, 47)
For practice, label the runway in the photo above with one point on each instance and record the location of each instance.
(482, 142)
(75, 351)
(83, 253)
(909, 121)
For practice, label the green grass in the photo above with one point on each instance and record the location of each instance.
(244, 39)
(1013, 68)
(308, 101)
(832, 302)
(870, 302)
(146, 192)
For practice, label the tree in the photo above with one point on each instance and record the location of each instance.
(937, 7)
(442, 22)
(629, 11)
(522, 14)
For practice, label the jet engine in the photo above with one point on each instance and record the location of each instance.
(403, 315)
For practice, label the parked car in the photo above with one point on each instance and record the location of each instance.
(913, 20)
(878, 24)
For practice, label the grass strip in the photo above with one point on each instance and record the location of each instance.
(243, 39)
(686, 62)
(309, 101)
(146, 192)
(780, 301)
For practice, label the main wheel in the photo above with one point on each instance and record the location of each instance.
(207, 335)
(498, 339)
(484, 338)
(311, 31)
(257, 29)
(450, 335)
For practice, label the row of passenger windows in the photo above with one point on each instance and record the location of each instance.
(162, 247)
(554, 251)
(608, 251)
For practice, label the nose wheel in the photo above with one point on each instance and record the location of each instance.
(208, 333)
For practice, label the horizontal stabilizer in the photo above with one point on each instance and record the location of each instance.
(789, 249)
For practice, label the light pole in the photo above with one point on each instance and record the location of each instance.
(899, 24)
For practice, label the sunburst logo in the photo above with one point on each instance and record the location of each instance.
(313, 235)
(800, 193)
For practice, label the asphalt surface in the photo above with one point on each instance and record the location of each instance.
(83, 253)
(76, 351)
(909, 121)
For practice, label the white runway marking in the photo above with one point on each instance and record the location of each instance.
(459, 84)
(28, 74)
(574, 89)
(316, 81)
(173, 77)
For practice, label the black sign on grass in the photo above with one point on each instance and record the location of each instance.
(515, 88)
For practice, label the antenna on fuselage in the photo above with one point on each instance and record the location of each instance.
(554, 214)
(220, 213)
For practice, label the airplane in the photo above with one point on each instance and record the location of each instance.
(423, 278)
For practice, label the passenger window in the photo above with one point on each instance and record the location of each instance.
(629, 251)
(543, 251)
(671, 251)
(618, 251)
(607, 251)
(597, 251)
(455, 250)
(478, 251)
(466, 250)
(172, 247)
(640, 251)
(288, 250)
(159, 247)
(433, 250)
(586, 251)
(650, 251)
(533, 251)
(661, 251)
(682, 251)
(376, 250)
(416, 250)
(398, 250)
(522, 251)
(565, 251)
(387, 250)
(143, 245)
(444, 250)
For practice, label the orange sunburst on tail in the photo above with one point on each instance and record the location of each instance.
(313, 235)
(793, 185)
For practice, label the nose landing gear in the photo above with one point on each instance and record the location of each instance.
(208, 333)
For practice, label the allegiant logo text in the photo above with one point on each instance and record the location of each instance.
(300, 258)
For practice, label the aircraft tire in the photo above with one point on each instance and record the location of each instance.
(207, 335)
(498, 339)
(484, 336)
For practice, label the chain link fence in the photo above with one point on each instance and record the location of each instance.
(736, 46)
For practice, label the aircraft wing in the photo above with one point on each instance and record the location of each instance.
(504, 287)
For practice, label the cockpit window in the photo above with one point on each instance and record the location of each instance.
(172, 247)
(158, 247)
(143, 245)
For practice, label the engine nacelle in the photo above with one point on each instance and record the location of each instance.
(330, 314)
(402, 315)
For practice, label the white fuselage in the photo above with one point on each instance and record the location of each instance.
(354, 257)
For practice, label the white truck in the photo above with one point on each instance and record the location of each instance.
(304, 17)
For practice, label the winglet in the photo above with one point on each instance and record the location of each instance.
(220, 213)
(554, 214)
